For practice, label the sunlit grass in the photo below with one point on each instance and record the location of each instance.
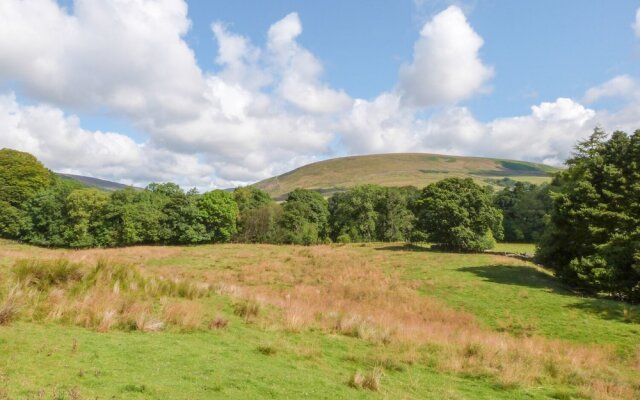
(288, 321)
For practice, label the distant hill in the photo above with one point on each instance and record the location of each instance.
(402, 169)
(95, 182)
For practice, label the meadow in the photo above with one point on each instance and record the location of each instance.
(380, 320)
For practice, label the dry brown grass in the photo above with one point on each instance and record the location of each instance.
(104, 296)
(339, 291)
(345, 292)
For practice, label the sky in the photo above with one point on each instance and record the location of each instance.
(215, 94)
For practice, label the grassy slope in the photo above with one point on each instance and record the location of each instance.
(400, 170)
(502, 293)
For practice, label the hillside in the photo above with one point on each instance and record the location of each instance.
(95, 182)
(416, 169)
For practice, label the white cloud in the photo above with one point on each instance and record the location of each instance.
(548, 134)
(264, 111)
(620, 86)
(125, 55)
(636, 24)
(446, 66)
(300, 70)
(62, 145)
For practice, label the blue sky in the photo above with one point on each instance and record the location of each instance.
(144, 85)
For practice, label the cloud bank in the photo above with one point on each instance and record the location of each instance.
(264, 110)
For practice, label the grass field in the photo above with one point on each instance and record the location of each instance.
(262, 321)
(402, 169)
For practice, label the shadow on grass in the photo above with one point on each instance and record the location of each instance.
(416, 248)
(603, 308)
(519, 276)
(610, 310)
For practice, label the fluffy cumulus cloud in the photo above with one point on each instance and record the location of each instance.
(446, 66)
(636, 24)
(620, 86)
(547, 134)
(264, 110)
(64, 146)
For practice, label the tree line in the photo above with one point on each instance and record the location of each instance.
(586, 222)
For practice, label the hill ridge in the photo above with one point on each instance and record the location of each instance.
(401, 169)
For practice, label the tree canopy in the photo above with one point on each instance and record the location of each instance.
(457, 214)
(594, 235)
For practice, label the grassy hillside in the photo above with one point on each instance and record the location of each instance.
(399, 170)
(94, 182)
(354, 321)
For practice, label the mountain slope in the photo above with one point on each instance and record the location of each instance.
(401, 169)
(95, 182)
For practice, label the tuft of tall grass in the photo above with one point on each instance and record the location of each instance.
(43, 274)
(248, 309)
(370, 381)
(104, 296)
(9, 308)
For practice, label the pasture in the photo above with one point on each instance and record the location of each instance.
(333, 321)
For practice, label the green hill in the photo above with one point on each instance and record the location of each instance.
(95, 182)
(417, 169)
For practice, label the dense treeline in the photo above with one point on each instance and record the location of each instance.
(40, 208)
(586, 222)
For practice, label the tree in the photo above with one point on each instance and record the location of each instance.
(21, 177)
(249, 197)
(133, 217)
(219, 214)
(182, 219)
(46, 214)
(304, 218)
(366, 213)
(85, 211)
(526, 209)
(457, 214)
(593, 240)
(354, 213)
(13, 221)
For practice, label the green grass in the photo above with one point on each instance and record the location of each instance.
(526, 248)
(503, 291)
(261, 360)
(229, 363)
(401, 169)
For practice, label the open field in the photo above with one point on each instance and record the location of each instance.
(261, 321)
(404, 169)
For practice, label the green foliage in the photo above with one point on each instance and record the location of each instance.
(304, 218)
(85, 211)
(526, 209)
(260, 225)
(372, 213)
(21, 176)
(457, 214)
(249, 198)
(594, 235)
(47, 219)
(133, 217)
(219, 214)
(13, 221)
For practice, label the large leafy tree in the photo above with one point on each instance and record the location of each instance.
(133, 217)
(594, 236)
(304, 218)
(85, 211)
(219, 215)
(457, 214)
(21, 177)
